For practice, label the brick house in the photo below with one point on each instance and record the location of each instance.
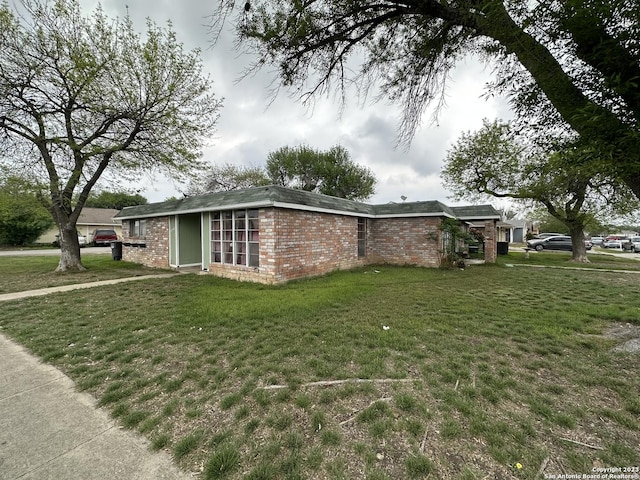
(274, 234)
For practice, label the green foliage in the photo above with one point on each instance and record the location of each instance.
(565, 180)
(117, 200)
(90, 94)
(23, 218)
(453, 236)
(570, 66)
(330, 173)
(223, 178)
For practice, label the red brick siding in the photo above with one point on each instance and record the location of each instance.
(311, 243)
(405, 241)
(297, 244)
(490, 241)
(156, 241)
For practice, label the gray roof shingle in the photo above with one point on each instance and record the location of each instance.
(276, 196)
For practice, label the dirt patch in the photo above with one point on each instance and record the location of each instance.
(628, 334)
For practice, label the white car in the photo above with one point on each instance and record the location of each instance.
(617, 244)
(635, 244)
(597, 241)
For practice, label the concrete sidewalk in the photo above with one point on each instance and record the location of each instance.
(76, 286)
(50, 431)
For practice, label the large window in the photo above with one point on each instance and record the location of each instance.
(362, 237)
(235, 237)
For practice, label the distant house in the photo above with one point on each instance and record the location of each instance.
(520, 229)
(89, 220)
(274, 234)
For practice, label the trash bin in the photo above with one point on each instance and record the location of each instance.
(116, 250)
(503, 248)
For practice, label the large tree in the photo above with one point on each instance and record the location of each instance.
(80, 95)
(569, 65)
(496, 162)
(330, 173)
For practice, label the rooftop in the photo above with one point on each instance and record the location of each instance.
(276, 196)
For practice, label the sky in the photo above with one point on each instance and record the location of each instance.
(252, 123)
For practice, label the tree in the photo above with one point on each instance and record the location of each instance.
(330, 173)
(569, 65)
(22, 217)
(496, 162)
(227, 177)
(117, 200)
(80, 95)
(548, 223)
(453, 235)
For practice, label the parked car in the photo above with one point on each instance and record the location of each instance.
(547, 235)
(619, 242)
(597, 241)
(103, 237)
(559, 242)
(82, 240)
(635, 244)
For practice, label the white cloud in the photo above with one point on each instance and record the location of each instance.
(252, 123)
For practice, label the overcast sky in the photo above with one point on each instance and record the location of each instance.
(252, 125)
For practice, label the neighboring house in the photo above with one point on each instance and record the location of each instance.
(274, 234)
(520, 229)
(89, 220)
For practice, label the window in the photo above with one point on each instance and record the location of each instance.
(362, 237)
(235, 237)
(137, 228)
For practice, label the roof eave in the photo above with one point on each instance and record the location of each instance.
(168, 213)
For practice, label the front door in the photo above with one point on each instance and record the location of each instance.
(189, 240)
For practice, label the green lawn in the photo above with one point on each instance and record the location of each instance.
(597, 260)
(33, 272)
(444, 374)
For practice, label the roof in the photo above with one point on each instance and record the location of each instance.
(476, 212)
(277, 196)
(432, 207)
(97, 216)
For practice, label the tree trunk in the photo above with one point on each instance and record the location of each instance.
(69, 249)
(577, 242)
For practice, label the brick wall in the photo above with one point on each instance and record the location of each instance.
(310, 243)
(490, 245)
(155, 252)
(405, 241)
(297, 244)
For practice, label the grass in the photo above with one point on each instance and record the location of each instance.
(479, 370)
(34, 272)
(598, 259)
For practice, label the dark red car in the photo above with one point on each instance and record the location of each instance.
(103, 237)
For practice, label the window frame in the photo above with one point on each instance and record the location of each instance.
(138, 228)
(362, 237)
(235, 237)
